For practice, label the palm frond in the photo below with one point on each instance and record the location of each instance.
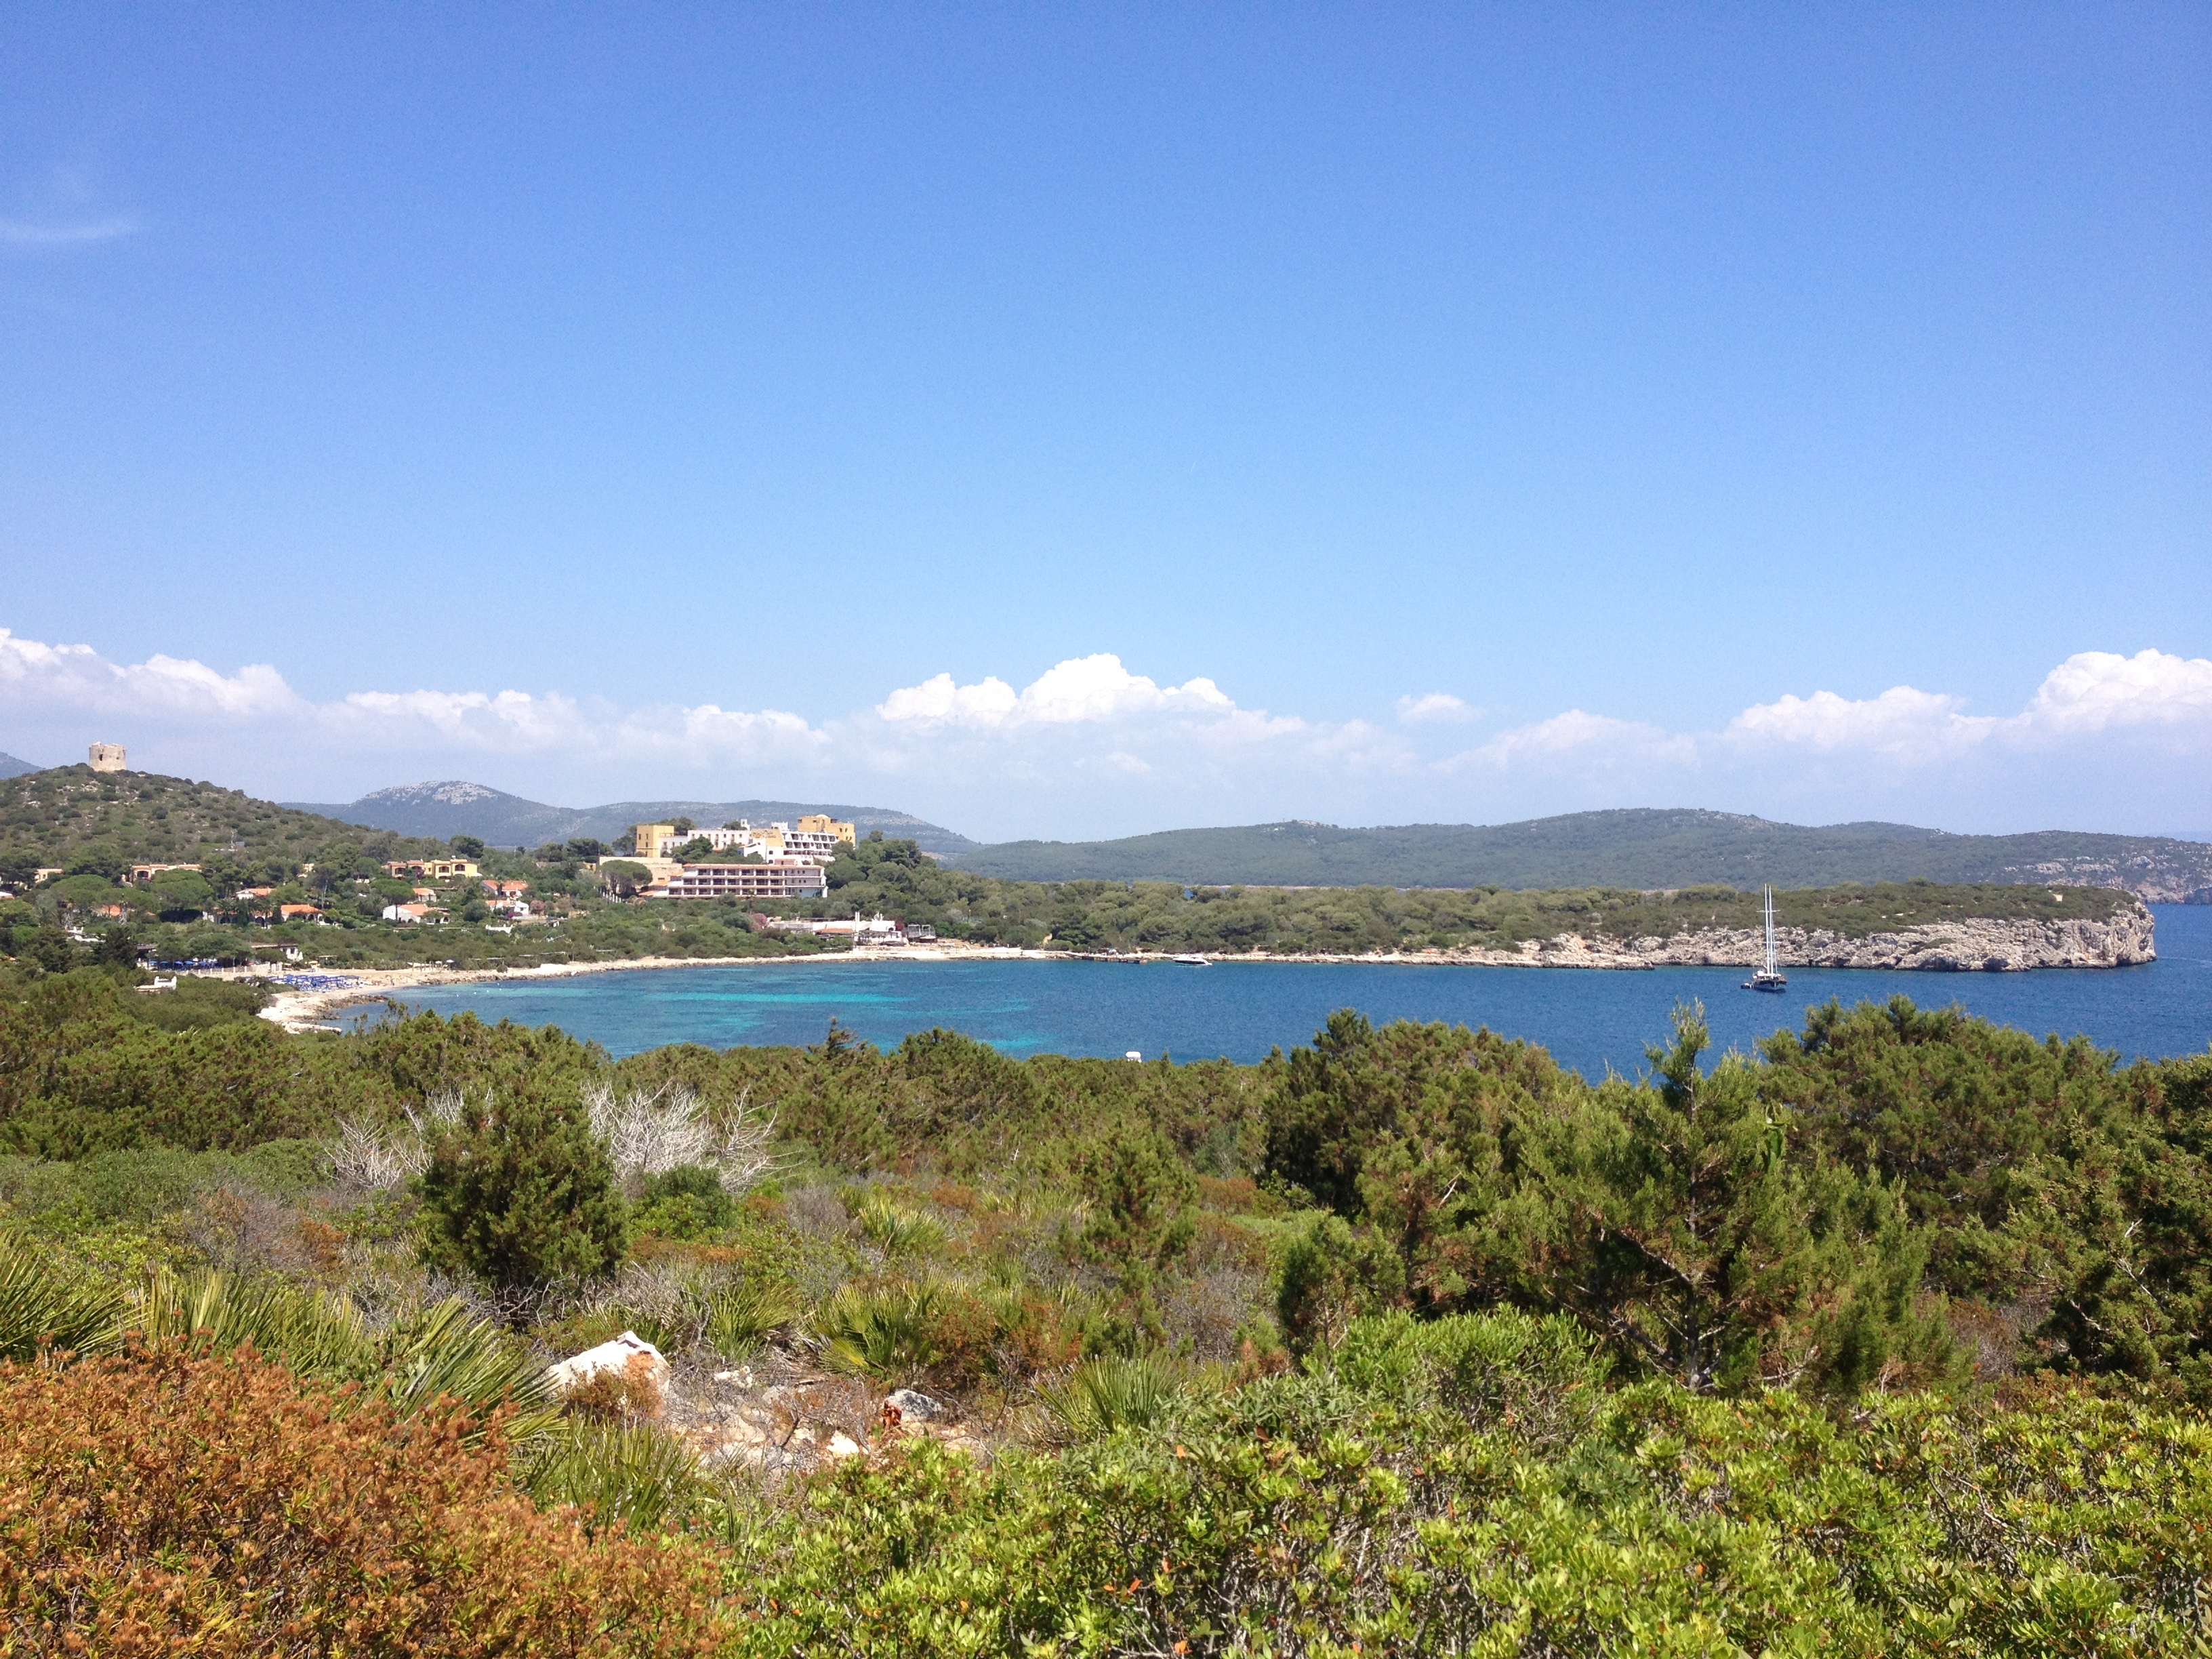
(43, 1311)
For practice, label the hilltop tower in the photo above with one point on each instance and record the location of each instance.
(106, 758)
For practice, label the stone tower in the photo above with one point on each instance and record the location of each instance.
(107, 757)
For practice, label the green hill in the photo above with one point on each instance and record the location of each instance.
(457, 807)
(1641, 848)
(69, 815)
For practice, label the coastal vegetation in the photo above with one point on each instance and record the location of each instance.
(281, 887)
(892, 878)
(1890, 1338)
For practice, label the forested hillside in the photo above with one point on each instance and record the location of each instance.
(1891, 1340)
(71, 815)
(460, 808)
(1638, 848)
(1142, 916)
(272, 879)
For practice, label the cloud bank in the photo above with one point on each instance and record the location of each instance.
(1089, 747)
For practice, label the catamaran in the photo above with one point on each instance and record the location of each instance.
(1770, 977)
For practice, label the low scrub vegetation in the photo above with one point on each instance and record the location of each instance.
(1891, 1338)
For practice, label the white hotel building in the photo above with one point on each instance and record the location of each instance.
(782, 878)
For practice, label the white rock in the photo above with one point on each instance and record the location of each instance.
(628, 1355)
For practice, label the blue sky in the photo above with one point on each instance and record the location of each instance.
(1369, 414)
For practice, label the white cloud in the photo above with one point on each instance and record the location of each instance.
(14, 232)
(938, 701)
(1901, 724)
(1434, 707)
(164, 693)
(1088, 747)
(77, 677)
(2090, 693)
(1080, 691)
(2102, 690)
(1581, 739)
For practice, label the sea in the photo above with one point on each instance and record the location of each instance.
(1591, 1020)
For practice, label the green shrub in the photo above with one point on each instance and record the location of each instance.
(440, 1353)
(521, 1194)
(1466, 1486)
(685, 1203)
(1331, 1274)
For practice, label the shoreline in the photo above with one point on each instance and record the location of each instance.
(305, 1010)
(1970, 947)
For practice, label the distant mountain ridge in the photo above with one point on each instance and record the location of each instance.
(457, 807)
(1637, 848)
(12, 767)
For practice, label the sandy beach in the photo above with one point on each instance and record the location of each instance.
(300, 1010)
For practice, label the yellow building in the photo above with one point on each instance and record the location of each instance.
(433, 869)
(645, 838)
(821, 824)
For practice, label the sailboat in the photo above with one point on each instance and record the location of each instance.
(1770, 977)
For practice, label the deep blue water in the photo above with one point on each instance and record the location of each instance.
(1588, 1020)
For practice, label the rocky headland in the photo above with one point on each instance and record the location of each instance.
(2127, 938)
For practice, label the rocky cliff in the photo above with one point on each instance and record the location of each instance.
(2127, 938)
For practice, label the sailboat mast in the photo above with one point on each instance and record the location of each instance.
(1771, 965)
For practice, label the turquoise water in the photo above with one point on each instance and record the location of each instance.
(1588, 1020)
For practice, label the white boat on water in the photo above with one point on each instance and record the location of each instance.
(1192, 961)
(1770, 977)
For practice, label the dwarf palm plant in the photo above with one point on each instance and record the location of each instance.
(444, 1352)
(1103, 1395)
(43, 1311)
(895, 1230)
(740, 1316)
(885, 1333)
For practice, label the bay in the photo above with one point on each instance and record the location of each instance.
(1589, 1019)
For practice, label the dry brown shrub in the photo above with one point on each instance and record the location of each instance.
(1236, 1195)
(1036, 1335)
(155, 1503)
(325, 1246)
(1222, 1242)
(957, 1195)
(630, 1393)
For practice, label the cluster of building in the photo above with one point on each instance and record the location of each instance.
(863, 931)
(793, 858)
(507, 898)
